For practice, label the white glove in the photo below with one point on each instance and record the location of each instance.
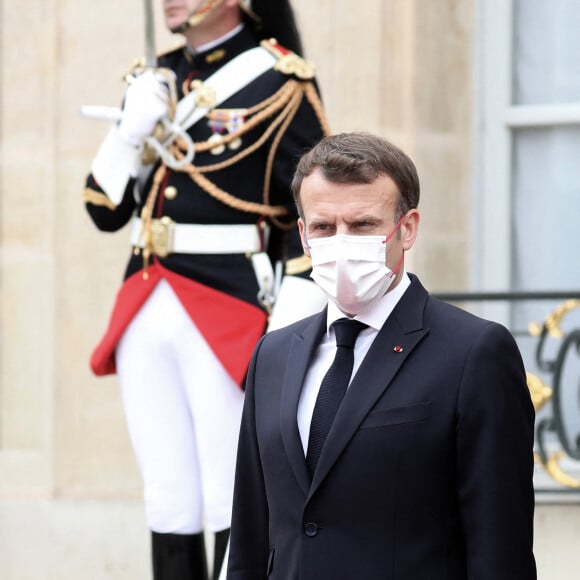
(146, 103)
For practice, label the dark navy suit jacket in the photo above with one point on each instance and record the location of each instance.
(426, 473)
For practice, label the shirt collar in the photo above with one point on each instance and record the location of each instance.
(377, 315)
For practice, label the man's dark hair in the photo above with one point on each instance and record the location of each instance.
(276, 20)
(360, 157)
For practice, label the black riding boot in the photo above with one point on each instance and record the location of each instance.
(221, 543)
(178, 557)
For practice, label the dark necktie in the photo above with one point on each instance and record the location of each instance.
(332, 388)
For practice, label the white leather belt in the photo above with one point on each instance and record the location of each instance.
(169, 237)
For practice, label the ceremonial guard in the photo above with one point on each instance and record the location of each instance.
(200, 162)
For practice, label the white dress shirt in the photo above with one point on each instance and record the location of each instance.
(374, 317)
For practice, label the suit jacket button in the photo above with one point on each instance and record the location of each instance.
(311, 530)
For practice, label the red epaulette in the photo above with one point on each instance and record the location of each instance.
(289, 63)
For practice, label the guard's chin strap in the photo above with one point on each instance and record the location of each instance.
(200, 14)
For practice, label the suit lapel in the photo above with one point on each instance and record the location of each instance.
(302, 349)
(403, 328)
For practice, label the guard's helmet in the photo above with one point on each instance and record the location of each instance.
(273, 19)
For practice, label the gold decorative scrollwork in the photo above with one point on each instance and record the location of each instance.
(552, 466)
(541, 393)
(538, 390)
(552, 322)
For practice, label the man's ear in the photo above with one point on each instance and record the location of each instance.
(302, 230)
(410, 229)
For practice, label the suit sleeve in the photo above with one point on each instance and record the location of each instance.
(249, 544)
(495, 435)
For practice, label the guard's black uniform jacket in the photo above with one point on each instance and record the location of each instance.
(288, 135)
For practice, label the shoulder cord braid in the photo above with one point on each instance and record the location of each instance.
(284, 101)
(285, 226)
(281, 121)
(287, 100)
(314, 100)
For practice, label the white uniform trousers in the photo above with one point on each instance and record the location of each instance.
(183, 413)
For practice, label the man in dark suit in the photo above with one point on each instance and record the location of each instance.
(425, 472)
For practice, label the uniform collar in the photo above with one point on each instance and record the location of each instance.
(216, 53)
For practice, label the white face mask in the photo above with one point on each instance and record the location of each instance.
(351, 270)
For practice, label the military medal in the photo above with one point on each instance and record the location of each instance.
(235, 144)
(219, 147)
(224, 122)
